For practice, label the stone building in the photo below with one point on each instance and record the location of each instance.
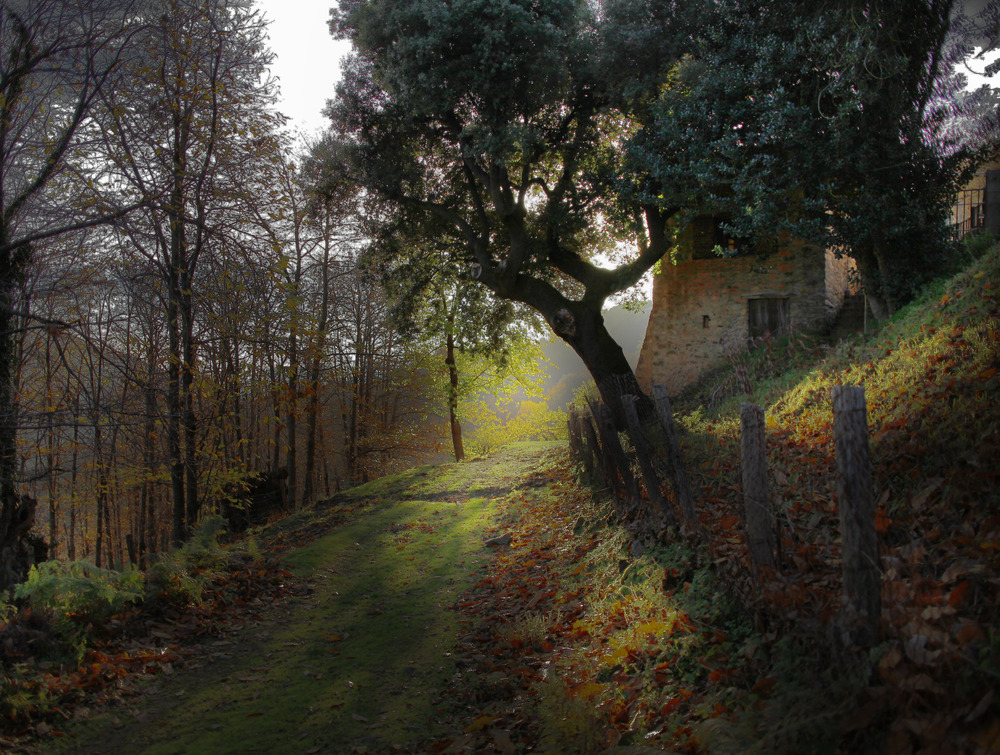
(977, 207)
(706, 303)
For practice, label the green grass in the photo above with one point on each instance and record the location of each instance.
(358, 662)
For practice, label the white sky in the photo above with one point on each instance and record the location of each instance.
(972, 67)
(307, 59)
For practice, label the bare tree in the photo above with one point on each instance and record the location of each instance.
(184, 138)
(56, 56)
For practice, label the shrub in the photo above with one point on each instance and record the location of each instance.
(975, 245)
(79, 596)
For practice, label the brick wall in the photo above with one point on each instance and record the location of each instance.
(700, 306)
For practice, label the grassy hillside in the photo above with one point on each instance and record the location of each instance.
(931, 381)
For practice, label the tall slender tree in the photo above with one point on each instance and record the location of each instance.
(183, 138)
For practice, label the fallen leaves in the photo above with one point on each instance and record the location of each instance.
(145, 643)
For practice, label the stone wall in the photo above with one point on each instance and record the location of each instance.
(701, 306)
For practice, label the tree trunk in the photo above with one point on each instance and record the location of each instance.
(101, 492)
(190, 420)
(73, 469)
(456, 427)
(148, 461)
(582, 328)
(291, 432)
(174, 387)
(12, 514)
(872, 281)
(53, 478)
(314, 377)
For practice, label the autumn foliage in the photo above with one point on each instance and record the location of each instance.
(593, 626)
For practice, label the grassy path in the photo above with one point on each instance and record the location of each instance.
(356, 665)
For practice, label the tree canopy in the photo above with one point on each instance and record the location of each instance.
(545, 133)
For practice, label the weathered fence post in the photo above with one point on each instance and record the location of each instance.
(756, 500)
(607, 460)
(862, 582)
(574, 441)
(593, 456)
(645, 463)
(589, 448)
(576, 432)
(616, 454)
(685, 499)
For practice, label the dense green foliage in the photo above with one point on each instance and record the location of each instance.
(535, 136)
(820, 122)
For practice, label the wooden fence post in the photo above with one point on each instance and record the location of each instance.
(862, 582)
(575, 441)
(616, 454)
(645, 463)
(685, 499)
(607, 459)
(756, 500)
(593, 457)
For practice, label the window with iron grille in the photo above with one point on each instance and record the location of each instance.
(712, 240)
(968, 214)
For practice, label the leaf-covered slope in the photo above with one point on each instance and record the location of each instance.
(931, 382)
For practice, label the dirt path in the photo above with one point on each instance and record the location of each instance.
(357, 664)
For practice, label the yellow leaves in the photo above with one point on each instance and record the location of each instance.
(479, 724)
(615, 656)
(588, 690)
(654, 627)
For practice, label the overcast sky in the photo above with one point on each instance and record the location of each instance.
(307, 58)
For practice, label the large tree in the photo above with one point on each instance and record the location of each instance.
(540, 131)
(493, 116)
(820, 121)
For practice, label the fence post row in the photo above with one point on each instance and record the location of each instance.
(756, 499)
(860, 558)
(862, 582)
